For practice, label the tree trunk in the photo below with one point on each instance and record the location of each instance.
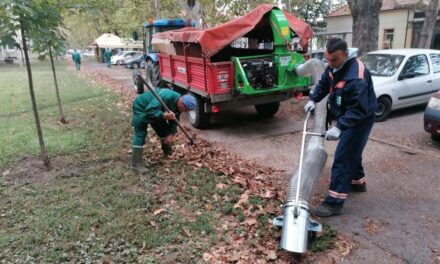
(43, 151)
(428, 25)
(365, 24)
(157, 7)
(60, 108)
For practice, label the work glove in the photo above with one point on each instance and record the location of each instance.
(310, 106)
(333, 133)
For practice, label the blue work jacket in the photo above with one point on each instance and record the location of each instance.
(351, 93)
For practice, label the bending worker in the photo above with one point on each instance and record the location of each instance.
(352, 104)
(148, 110)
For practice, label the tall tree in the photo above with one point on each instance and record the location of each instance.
(25, 17)
(431, 11)
(365, 24)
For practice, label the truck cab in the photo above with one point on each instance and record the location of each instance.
(152, 27)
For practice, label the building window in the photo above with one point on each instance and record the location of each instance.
(388, 39)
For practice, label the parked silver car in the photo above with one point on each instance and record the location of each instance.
(122, 56)
(403, 77)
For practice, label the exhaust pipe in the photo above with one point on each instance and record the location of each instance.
(296, 220)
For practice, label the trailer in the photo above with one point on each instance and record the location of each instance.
(243, 62)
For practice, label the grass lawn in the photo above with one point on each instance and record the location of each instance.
(101, 211)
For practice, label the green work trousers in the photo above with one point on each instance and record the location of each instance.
(162, 129)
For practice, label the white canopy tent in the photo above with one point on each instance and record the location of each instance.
(108, 40)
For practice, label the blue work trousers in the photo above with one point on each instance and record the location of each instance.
(347, 165)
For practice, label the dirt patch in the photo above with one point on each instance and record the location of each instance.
(31, 170)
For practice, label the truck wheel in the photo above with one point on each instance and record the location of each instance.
(137, 84)
(267, 110)
(153, 72)
(198, 118)
(383, 109)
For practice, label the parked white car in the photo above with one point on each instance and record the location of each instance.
(403, 77)
(122, 56)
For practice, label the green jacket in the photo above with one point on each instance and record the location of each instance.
(108, 55)
(76, 57)
(147, 109)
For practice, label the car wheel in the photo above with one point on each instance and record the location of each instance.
(135, 66)
(383, 108)
(267, 110)
(435, 137)
(119, 62)
(198, 118)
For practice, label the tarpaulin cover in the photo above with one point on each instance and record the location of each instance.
(214, 39)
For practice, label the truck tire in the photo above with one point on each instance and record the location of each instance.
(153, 72)
(383, 108)
(137, 84)
(198, 118)
(267, 110)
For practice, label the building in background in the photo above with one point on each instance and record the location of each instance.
(399, 25)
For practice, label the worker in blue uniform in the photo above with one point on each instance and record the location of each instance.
(352, 104)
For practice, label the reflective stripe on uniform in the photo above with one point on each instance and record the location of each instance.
(340, 85)
(361, 69)
(337, 195)
(360, 181)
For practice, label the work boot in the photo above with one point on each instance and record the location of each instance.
(136, 159)
(326, 210)
(359, 187)
(167, 149)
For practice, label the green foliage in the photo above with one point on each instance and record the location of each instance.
(41, 21)
(311, 11)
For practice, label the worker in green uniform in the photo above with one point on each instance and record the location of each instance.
(148, 110)
(76, 57)
(108, 57)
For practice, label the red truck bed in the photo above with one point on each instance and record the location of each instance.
(191, 74)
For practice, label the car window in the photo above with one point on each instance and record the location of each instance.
(435, 59)
(417, 65)
(382, 64)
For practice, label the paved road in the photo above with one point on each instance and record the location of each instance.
(397, 220)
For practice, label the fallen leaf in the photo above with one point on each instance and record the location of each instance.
(5, 173)
(158, 211)
(208, 257)
(152, 223)
(220, 186)
(188, 234)
(244, 198)
(251, 221)
(272, 255)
